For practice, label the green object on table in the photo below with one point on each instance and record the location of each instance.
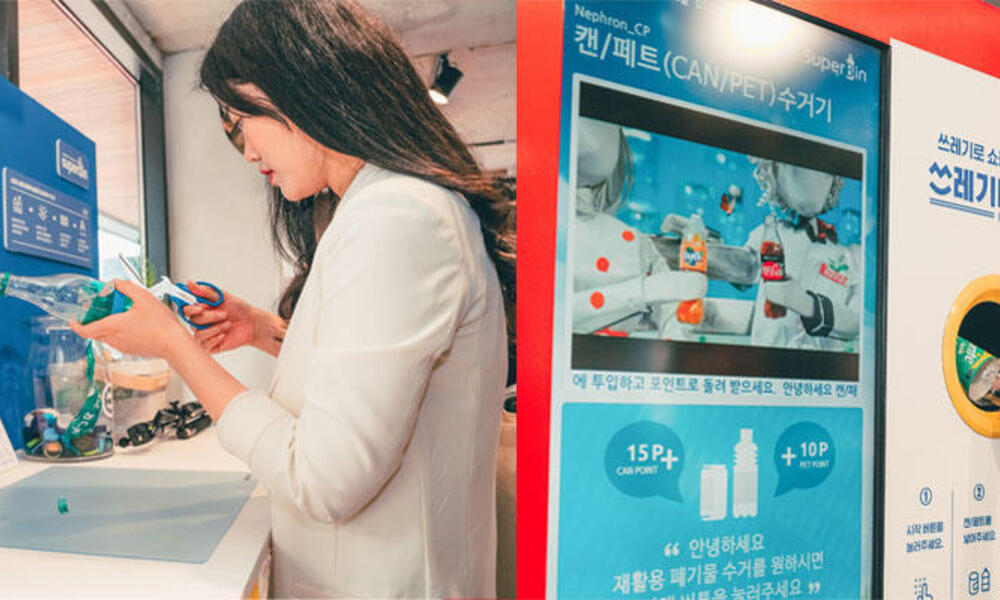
(85, 420)
(63, 506)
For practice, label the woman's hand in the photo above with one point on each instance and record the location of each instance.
(234, 323)
(148, 328)
(151, 329)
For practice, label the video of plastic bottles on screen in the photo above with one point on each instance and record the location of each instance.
(678, 240)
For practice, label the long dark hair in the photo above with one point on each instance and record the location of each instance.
(340, 75)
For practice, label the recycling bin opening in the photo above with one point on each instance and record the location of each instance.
(970, 355)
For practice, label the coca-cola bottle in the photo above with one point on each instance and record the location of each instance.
(772, 264)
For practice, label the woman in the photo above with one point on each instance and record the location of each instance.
(377, 439)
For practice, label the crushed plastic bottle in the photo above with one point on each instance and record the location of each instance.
(978, 372)
(69, 296)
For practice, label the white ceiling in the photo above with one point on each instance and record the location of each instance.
(424, 26)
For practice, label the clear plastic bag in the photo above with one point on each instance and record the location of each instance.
(72, 418)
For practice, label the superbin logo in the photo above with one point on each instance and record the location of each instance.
(75, 166)
(846, 68)
(72, 165)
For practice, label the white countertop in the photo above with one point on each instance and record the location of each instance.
(229, 573)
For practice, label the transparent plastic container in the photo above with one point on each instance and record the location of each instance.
(140, 390)
(72, 419)
(38, 360)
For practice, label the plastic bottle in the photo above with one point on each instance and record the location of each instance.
(745, 476)
(69, 296)
(772, 264)
(978, 372)
(694, 257)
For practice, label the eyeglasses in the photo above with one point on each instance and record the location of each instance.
(233, 129)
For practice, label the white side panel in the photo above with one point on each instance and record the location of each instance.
(934, 461)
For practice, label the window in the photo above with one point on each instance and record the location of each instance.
(62, 66)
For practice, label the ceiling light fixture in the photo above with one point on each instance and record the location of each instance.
(446, 77)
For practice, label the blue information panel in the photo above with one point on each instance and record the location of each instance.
(37, 242)
(715, 305)
(43, 222)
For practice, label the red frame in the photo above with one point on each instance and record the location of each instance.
(539, 60)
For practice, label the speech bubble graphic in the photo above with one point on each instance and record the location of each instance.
(804, 456)
(645, 459)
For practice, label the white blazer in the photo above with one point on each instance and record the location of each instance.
(378, 437)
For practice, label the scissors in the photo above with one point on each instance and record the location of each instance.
(186, 298)
(180, 295)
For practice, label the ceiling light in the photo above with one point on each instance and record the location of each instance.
(445, 78)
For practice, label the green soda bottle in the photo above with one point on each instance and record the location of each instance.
(69, 296)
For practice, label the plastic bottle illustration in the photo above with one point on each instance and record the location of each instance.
(772, 264)
(714, 492)
(694, 257)
(745, 476)
(69, 296)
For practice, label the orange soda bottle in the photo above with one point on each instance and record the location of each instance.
(694, 257)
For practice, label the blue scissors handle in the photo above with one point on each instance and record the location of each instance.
(180, 304)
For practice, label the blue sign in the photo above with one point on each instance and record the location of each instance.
(43, 222)
(72, 165)
(32, 245)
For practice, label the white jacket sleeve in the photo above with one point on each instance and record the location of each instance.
(393, 287)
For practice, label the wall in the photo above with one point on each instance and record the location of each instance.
(217, 208)
(482, 106)
(63, 69)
